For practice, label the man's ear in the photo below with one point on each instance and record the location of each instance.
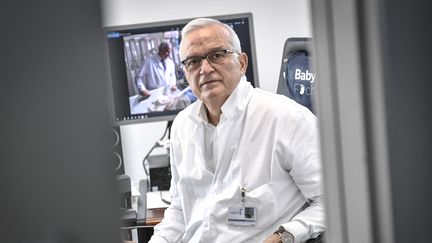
(243, 59)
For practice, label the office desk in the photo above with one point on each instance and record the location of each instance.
(153, 217)
(157, 101)
(145, 227)
(154, 207)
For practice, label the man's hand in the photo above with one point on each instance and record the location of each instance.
(172, 104)
(145, 93)
(173, 87)
(274, 238)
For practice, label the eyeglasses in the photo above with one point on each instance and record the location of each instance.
(214, 57)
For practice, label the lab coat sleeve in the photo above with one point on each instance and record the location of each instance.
(172, 227)
(140, 84)
(171, 79)
(306, 172)
(140, 79)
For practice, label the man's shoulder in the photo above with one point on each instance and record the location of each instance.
(168, 59)
(188, 115)
(151, 58)
(278, 105)
(267, 99)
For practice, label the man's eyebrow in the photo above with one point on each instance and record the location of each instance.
(209, 51)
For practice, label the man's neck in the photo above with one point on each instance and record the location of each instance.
(213, 113)
(214, 108)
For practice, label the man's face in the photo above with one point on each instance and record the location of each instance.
(165, 53)
(212, 82)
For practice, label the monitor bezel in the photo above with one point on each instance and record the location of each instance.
(169, 116)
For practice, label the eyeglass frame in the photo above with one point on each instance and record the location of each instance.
(206, 57)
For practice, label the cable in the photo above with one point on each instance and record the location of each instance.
(157, 144)
(163, 199)
(146, 157)
(169, 128)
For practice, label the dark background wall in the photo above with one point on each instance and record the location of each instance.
(56, 177)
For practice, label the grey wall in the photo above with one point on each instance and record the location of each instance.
(56, 180)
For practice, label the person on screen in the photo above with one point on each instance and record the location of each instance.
(157, 71)
(245, 162)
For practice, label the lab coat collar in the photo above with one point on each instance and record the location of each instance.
(232, 107)
(197, 113)
(237, 101)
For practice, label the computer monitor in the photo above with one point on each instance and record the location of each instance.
(297, 78)
(129, 46)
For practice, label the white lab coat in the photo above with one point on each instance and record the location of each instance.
(153, 74)
(267, 144)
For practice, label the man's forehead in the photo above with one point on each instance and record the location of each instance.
(204, 39)
(198, 49)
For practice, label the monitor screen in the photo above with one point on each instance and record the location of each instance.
(133, 50)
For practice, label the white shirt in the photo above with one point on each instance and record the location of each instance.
(267, 144)
(153, 74)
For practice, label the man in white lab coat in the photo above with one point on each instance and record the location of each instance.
(245, 162)
(157, 71)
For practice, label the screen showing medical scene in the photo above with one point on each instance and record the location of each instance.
(146, 75)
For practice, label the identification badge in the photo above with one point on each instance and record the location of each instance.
(241, 216)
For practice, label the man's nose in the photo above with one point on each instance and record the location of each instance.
(206, 67)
